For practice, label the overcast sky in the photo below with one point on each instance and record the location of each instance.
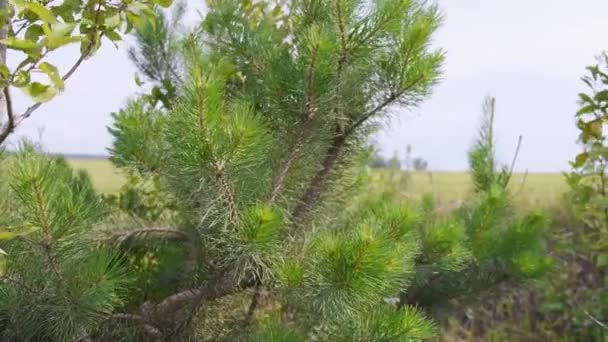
(529, 54)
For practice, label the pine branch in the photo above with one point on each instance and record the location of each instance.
(317, 184)
(366, 116)
(217, 165)
(227, 192)
(303, 134)
(153, 333)
(177, 301)
(19, 283)
(341, 28)
(513, 161)
(173, 234)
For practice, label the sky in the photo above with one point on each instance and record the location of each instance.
(529, 54)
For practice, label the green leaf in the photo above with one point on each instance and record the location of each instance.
(65, 11)
(163, 3)
(112, 21)
(7, 235)
(41, 11)
(2, 252)
(21, 79)
(602, 95)
(594, 128)
(34, 32)
(136, 21)
(113, 36)
(138, 81)
(586, 110)
(581, 159)
(4, 72)
(53, 74)
(60, 35)
(19, 44)
(39, 92)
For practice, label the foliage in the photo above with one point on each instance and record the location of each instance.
(481, 156)
(474, 247)
(316, 83)
(157, 54)
(587, 258)
(36, 28)
(259, 145)
(54, 286)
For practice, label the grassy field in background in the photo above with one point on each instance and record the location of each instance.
(103, 174)
(535, 190)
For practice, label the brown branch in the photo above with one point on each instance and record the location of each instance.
(8, 128)
(303, 133)
(171, 233)
(513, 161)
(317, 184)
(366, 116)
(187, 297)
(253, 305)
(382, 105)
(153, 333)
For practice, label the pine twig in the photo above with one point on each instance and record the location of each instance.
(303, 133)
(512, 166)
(217, 165)
(595, 320)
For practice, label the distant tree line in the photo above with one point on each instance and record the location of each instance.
(410, 163)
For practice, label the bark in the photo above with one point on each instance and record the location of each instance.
(318, 183)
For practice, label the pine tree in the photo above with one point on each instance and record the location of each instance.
(258, 152)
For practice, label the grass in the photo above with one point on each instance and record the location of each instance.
(537, 190)
(106, 178)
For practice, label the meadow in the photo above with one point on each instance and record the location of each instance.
(532, 190)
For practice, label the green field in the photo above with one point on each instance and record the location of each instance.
(533, 190)
(104, 175)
